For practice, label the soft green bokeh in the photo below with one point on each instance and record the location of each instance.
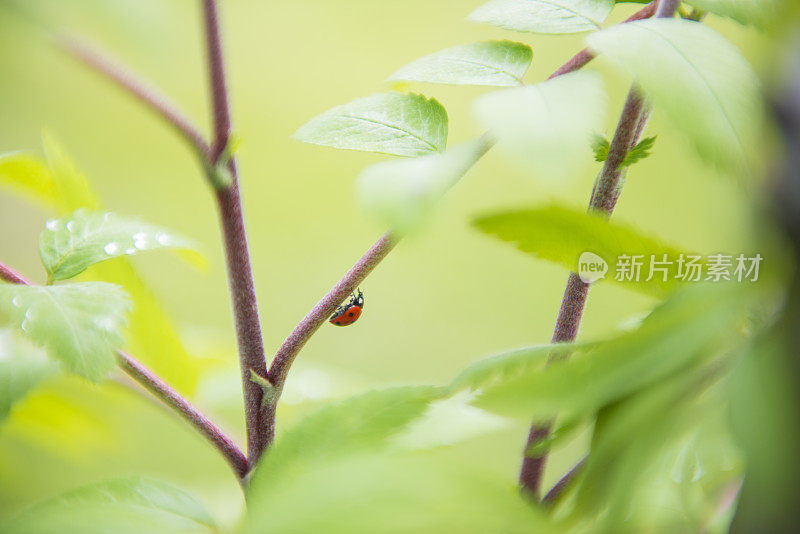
(441, 300)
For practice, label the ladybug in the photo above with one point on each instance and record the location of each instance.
(350, 312)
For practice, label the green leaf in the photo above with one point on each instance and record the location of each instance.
(389, 123)
(636, 441)
(757, 12)
(561, 235)
(544, 16)
(403, 193)
(500, 368)
(78, 324)
(21, 370)
(394, 494)
(74, 190)
(500, 63)
(350, 426)
(639, 152)
(684, 332)
(71, 244)
(546, 126)
(698, 78)
(28, 176)
(122, 506)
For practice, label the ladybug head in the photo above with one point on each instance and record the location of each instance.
(358, 300)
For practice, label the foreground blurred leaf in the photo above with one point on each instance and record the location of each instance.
(632, 443)
(546, 125)
(677, 335)
(560, 235)
(500, 63)
(71, 244)
(122, 506)
(389, 123)
(500, 368)
(29, 176)
(73, 188)
(756, 12)
(78, 324)
(544, 16)
(21, 370)
(403, 193)
(396, 494)
(356, 424)
(697, 77)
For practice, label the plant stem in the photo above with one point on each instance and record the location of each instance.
(171, 398)
(10, 275)
(604, 198)
(555, 492)
(288, 351)
(160, 389)
(585, 56)
(240, 275)
(105, 65)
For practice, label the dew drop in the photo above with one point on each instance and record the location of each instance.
(106, 216)
(104, 324)
(141, 244)
(130, 251)
(15, 301)
(52, 224)
(26, 325)
(70, 226)
(139, 236)
(111, 248)
(162, 238)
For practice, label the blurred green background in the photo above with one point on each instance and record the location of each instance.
(441, 300)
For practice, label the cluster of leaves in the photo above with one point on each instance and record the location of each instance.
(79, 324)
(653, 399)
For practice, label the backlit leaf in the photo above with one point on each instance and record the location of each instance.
(389, 123)
(698, 78)
(71, 244)
(78, 324)
(122, 506)
(561, 235)
(500, 63)
(546, 126)
(403, 192)
(544, 16)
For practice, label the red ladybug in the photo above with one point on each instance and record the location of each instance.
(350, 312)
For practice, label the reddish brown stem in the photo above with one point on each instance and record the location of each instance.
(240, 274)
(585, 56)
(558, 489)
(288, 351)
(105, 65)
(604, 198)
(152, 383)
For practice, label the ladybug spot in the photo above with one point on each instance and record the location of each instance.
(350, 314)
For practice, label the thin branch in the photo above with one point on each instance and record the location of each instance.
(216, 71)
(604, 198)
(585, 56)
(160, 389)
(10, 275)
(558, 489)
(326, 306)
(111, 69)
(237, 255)
(152, 383)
